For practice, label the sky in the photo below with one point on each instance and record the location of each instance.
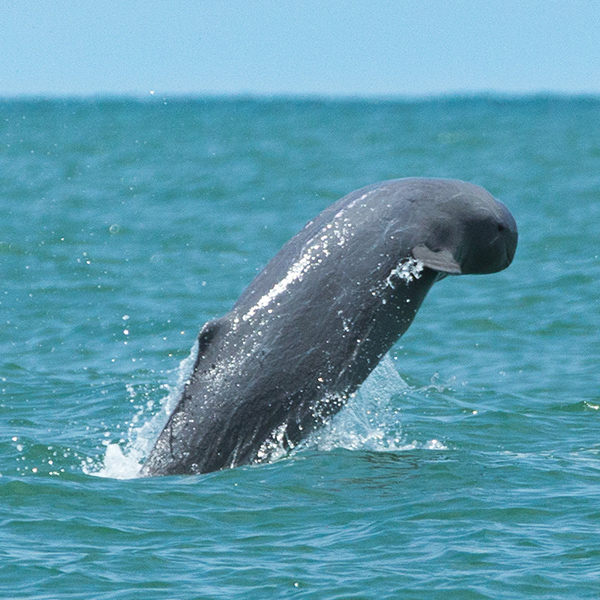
(365, 48)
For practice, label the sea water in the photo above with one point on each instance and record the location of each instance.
(468, 465)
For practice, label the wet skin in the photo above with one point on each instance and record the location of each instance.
(315, 322)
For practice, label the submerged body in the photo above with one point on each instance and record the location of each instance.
(316, 321)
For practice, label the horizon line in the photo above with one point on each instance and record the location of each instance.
(152, 96)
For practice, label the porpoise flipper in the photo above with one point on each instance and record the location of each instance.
(442, 260)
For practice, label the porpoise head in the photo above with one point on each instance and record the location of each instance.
(463, 228)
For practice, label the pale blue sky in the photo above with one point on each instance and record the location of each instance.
(316, 47)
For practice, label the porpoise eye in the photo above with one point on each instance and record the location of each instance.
(500, 227)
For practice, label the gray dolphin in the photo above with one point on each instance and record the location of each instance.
(316, 321)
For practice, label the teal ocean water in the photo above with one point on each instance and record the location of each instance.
(468, 467)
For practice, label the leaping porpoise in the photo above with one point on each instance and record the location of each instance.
(316, 321)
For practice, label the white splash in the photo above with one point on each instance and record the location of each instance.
(368, 421)
(371, 420)
(275, 447)
(407, 270)
(124, 461)
(116, 465)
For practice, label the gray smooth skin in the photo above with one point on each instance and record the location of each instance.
(316, 321)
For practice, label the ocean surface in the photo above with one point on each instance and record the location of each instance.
(467, 467)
